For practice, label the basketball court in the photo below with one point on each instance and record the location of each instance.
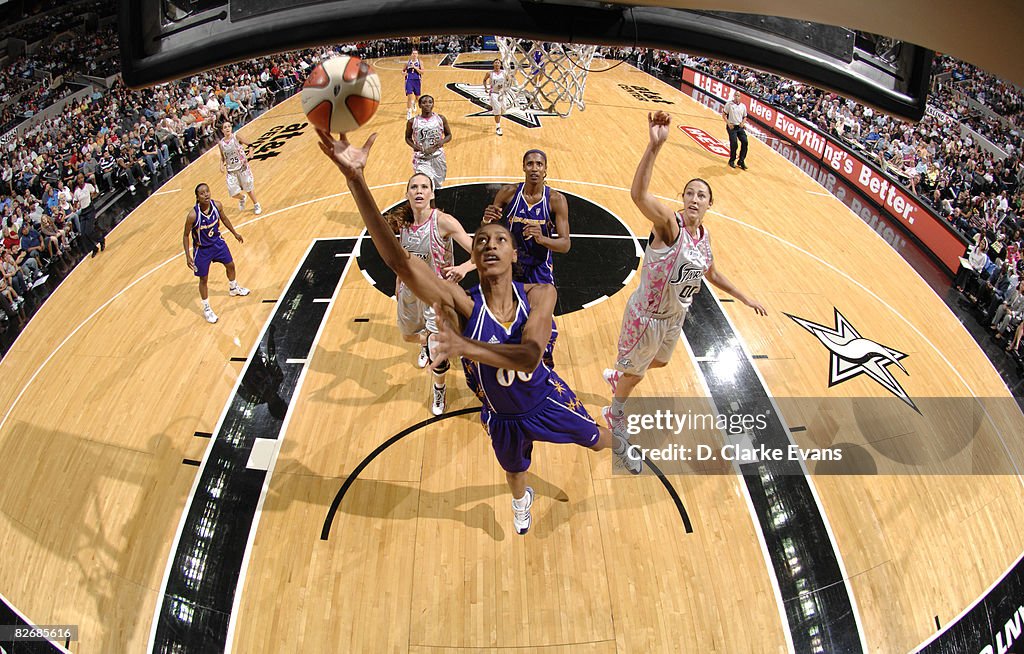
(276, 482)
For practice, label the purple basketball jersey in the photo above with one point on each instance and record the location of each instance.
(534, 259)
(503, 391)
(520, 408)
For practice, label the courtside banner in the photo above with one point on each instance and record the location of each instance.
(926, 227)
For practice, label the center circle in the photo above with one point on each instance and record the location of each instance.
(603, 256)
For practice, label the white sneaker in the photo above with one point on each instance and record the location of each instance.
(211, 317)
(633, 464)
(437, 406)
(241, 204)
(612, 377)
(257, 209)
(521, 517)
(616, 423)
(238, 290)
(497, 130)
(424, 358)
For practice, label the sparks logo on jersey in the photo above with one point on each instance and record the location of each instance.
(853, 355)
(517, 104)
(688, 273)
(705, 140)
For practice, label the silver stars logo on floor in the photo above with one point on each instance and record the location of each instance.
(517, 104)
(854, 355)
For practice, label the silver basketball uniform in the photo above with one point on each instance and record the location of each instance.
(499, 82)
(423, 241)
(655, 312)
(239, 177)
(430, 160)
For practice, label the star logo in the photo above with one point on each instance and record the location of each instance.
(853, 355)
(517, 104)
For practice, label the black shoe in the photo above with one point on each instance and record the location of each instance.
(732, 164)
(95, 252)
(742, 165)
(103, 245)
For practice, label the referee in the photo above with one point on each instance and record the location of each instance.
(735, 114)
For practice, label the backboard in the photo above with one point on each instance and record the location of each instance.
(167, 39)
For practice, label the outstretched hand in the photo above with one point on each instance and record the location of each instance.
(658, 123)
(349, 159)
(757, 307)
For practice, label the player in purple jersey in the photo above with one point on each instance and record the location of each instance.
(677, 258)
(413, 70)
(202, 225)
(534, 213)
(500, 330)
(537, 216)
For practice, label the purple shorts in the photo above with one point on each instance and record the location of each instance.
(559, 418)
(535, 274)
(204, 256)
(412, 86)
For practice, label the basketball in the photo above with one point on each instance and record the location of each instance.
(341, 94)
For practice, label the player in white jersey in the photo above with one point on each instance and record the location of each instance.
(427, 135)
(677, 258)
(234, 163)
(496, 82)
(427, 234)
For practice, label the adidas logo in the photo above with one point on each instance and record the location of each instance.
(494, 339)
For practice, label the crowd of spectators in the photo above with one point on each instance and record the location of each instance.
(119, 139)
(116, 140)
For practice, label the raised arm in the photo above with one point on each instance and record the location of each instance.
(413, 271)
(653, 209)
(525, 355)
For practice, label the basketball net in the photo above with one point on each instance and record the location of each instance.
(551, 76)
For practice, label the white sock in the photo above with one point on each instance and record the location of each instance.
(520, 503)
(618, 407)
(206, 304)
(233, 284)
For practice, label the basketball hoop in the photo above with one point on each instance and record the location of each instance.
(551, 76)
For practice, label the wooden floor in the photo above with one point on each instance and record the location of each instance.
(102, 395)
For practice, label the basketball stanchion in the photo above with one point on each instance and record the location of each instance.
(551, 76)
